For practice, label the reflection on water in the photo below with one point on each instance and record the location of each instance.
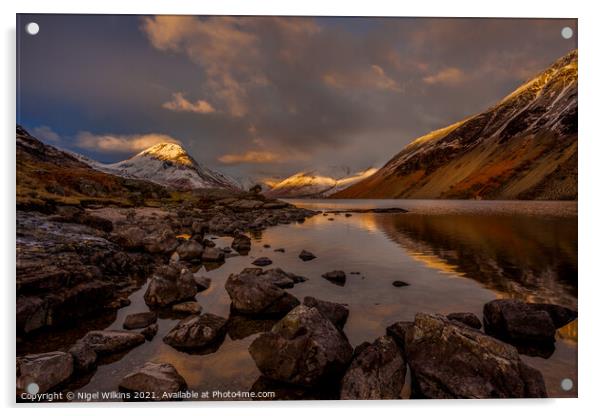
(455, 255)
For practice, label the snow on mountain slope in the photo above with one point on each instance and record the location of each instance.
(166, 164)
(313, 185)
(524, 147)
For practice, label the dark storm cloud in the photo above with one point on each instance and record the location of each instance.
(269, 96)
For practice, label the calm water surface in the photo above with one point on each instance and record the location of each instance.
(455, 255)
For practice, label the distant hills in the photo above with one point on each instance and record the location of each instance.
(524, 147)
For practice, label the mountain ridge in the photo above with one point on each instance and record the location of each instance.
(523, 147)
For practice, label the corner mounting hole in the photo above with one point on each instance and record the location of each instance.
(566, 32)
(32, 28)
(566, 384)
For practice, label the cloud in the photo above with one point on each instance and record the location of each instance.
(180, 103)
(447, 76)
(373, 77)
(46, 134)
(251, 156)
(110, 143)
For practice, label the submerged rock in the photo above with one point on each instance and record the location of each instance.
(202, 282)
(150, 331)
(196, 331)
(213, 254)
(466, 318)
(154, 378)
(376, 373)
(111, 341)
(451, 360)
(336, 276)
(241, 243)
(519, 322)
(306, 255)
(47, 370)
(304, 348)
(255, 292)
(334, 312)
(191, 307)
(262, 261)
(139, 320)
(400, 283)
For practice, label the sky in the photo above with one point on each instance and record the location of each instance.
(266, 97)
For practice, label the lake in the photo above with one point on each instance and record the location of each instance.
(455, 256)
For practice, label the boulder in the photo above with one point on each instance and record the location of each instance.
(241, 243)
(254, 292)
(466, 318)
(518, 322)
(303, 348)
(560, 315)
(47, 370)
(334, 312)
(262, 261)
(306, 255)
(190, 308)
(376, 373)
(397, 331)
(202, 282)
(337, 277)
(139, 320)
(190, 250)
(161, 242)
(150, 331)
(170, 284)
(451, 360)
(196, 332)
(213, 254)
(84, 357)
(155, 378)
(32, 313)
(111, 341)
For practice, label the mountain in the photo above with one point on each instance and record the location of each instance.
(524, 147)
(167, 164)
(313, 185)
(47, 175)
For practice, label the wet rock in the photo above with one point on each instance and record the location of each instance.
(376, 373)
(84, 357)
(400, 283)
(196, 331)
(202, 282)
(139, 320)
(466, 318)
(170, 284)
(255, 292)
(334, 312)
(451, 360)
(213, 254)
(208, 243)
(189, 308)
(262, 261)
(111, 341)
(190, 250)
(518, 322)
(280, 250)
(241, 243)
(156, 378)
(281, 278)
(161, 242)
(150, 331)
(47, 370)
(303, 348)
(306, 255)
(397, 331)
(336, 276)
(560, 315)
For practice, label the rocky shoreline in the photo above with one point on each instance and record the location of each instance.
(74, 263)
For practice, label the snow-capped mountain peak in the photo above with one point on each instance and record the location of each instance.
(168, 151)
